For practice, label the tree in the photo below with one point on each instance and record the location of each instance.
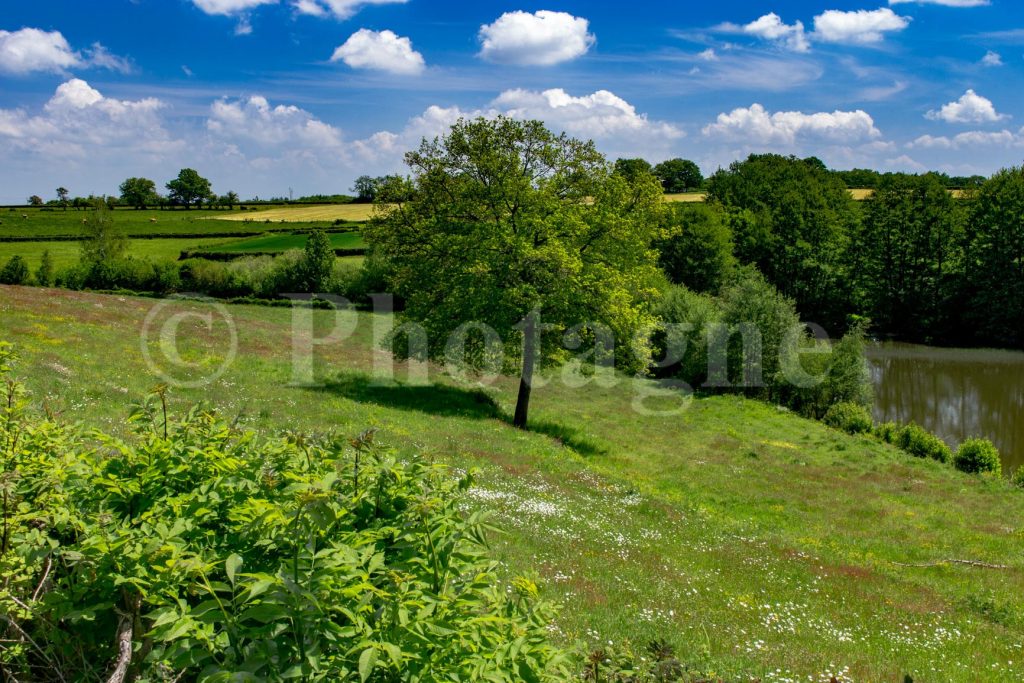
(44, 275)
(62, 197)
(35, 200)
(189, 188)
(696, 249)
(679, 175)
(994, 260)
(103, 243)
(317, 263)
(514, 227)
(791, 218)
(906, 254)
(229, 200)
(14, 272)
(365, 188)
(631, 169)
(139, 192)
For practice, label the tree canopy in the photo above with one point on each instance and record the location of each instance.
(189, 188)
(506, 222)
(679, 175)
(139, 192)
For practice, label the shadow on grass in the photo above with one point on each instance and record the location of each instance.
(447, 401)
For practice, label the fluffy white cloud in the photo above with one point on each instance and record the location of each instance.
(31, 49)
(969, 140)
(339, 9)
(601, 114)
(260, 126)
(540, 39)
(379, 50)
(992, 59)
(755, 125)
(860, 27)
(79, 122)
(944, 3)
(970, 108)
(228, 7)
(771, 27)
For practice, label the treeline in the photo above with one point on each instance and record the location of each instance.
(922, 265)
(188, 189)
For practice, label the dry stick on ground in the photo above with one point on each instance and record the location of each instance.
(969, 563)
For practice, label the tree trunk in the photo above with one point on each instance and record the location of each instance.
(529, 363)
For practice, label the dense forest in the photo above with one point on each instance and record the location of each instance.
(922, 263)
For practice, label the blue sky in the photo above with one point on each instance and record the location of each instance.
(266, 95)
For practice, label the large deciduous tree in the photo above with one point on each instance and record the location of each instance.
(525, 231)
(189, 188)
(679, 175)
(139, 192)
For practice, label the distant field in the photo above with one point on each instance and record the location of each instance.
(277, 243)
(685, 197)
(310, 214)
(66, 253)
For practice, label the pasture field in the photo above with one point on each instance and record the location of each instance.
(760, 544)
(66, 252)
(279, 243)
(685, 197)
(307, 214)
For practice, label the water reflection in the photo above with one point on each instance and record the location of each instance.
(955, 393)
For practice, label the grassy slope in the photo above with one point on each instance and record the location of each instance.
(273, 243)
(752, 539)
(67, 253)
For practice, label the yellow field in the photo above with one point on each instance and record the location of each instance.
(685, 197)
(304, 214)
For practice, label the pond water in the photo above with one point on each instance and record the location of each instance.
(954, 393)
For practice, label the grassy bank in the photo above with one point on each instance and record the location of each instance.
(758, 543)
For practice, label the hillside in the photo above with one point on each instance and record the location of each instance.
(758, 543)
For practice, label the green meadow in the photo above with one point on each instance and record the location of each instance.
(761, 545)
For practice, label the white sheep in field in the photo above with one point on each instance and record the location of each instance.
(24, 215)
(152, 220)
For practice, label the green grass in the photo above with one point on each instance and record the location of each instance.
(42, 223)
(760, 544)
(278, 243)
(66, 253)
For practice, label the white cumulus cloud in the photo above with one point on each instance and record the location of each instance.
(992, 59)
(30, 49)
(970, 140)
(860, 27)
(539, 39)
(255, 122)
(339, 9)
(755, 125)
(944, 3)
(970, 108)
(228, 7)
(770, 27)
(381, 51)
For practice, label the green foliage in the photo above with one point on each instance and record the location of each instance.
(852, 418)
(792, 218)
(682, 346)
(696, 248)
(994, 274)
(507, 219)
(978, 455)
(139, 193)
(887, 432)
(222, 556)
(44, 274)
(102, 244)
(14, 272)
(189, 188)
(906, 255)
(1017, 479)
(920, 443)
(679, 175)
(317, 263)
(633, 169)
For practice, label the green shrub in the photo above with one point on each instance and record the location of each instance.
(221, 556)
(887, 431)
(852, 418)
(976, 456)
(682, 347)
(44, 274)
(1018, 477)
(14, 272)
(920, 443)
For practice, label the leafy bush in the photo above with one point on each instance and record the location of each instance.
(1018, 478)
(921, 443)
(682, 347)
(978, 455)
(887, 431)
(44, 274)
(852, 418)
(697, 249)
(14, 272)
(196, 551)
